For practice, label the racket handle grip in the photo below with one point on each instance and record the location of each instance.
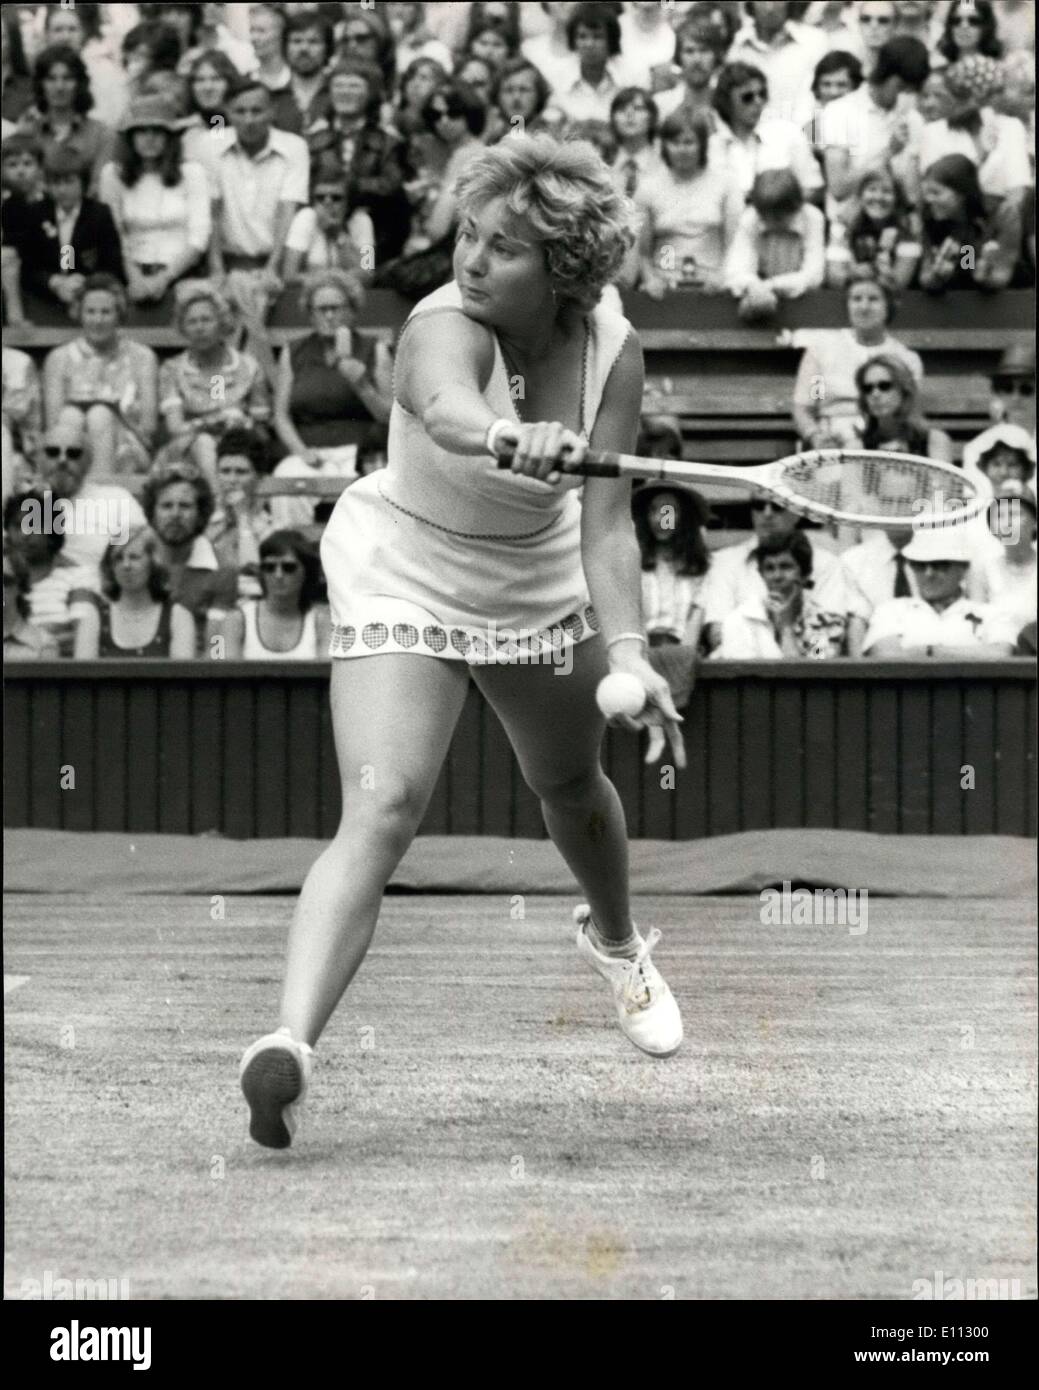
(593, 466)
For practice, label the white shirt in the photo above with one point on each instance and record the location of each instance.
(843, 37)
(870, 571)
(156, 222)
(647, 161)
(1010, 589)
(734, 577)
(775, 144)
(66, 223)
(578, 100)
(100, 512)
(644, 49)
(240, 51)
(305, 235)
(1003, 163)
(554, 61)
(250, 189)
(825, 382)
(670, 599)
(670, 100)
(963, 624)
(788, 63)
(747, 633)
(855, 123)
(694, 219)
(742, 267)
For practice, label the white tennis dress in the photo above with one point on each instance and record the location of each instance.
(443, 555)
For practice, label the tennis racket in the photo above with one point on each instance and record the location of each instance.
(859, 487)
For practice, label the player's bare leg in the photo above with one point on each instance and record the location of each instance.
(556, 729)
(393, 717)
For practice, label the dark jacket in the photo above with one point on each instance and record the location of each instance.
(95, 245)
(375, 182)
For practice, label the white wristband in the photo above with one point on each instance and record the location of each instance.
(493, 433)
(627, 637)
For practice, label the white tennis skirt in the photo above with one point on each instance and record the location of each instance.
(398, 583)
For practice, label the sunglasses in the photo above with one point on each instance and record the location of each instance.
(329, 198)
(358, 36)
(762, 504)
(55, 451)
(758, 94)
(446, 113)
(881, 19)
(280, 566)
(1014, 386)
(870, 386)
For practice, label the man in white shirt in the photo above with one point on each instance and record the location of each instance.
(876, 570)
(734, 577)
(94, 514)
(647, 43)
(700, 52)
(940, 622)
(549, 52)
(998, 146)
(214, 33)
(874, 125)
(746, 143)
(835, 21)
(597, 72)
(259, 179)
(786, 52)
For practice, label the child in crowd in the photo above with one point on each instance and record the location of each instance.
(883, 237)
(778, 250)
(69, 236)
(21, 183)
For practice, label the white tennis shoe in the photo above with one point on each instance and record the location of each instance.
(646, 1008)
(274, 1076)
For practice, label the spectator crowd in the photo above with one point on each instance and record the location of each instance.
(189, 166)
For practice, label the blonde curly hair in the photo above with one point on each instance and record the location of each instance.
(566, 195)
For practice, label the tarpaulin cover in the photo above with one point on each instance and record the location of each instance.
(982, 866)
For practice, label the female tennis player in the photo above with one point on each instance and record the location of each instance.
(444, 564)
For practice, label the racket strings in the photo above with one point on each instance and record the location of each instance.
(867, 484)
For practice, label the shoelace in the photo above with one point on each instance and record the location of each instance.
(637, 984)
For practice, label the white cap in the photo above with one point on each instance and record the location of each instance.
(939, 543)
(1011, 436)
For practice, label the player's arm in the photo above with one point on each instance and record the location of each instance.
(444, 362)
(610, 551)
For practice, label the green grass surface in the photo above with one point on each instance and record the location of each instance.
(849, 1113)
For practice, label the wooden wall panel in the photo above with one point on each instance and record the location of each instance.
(247, 751)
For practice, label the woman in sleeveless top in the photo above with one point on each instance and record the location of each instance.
(136, 617)
(442, 565)
(287, 623)
(331, 386)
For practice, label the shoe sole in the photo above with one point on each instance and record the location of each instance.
(646, 1052)
(272, 1080)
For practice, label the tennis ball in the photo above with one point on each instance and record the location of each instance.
(621, 693)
